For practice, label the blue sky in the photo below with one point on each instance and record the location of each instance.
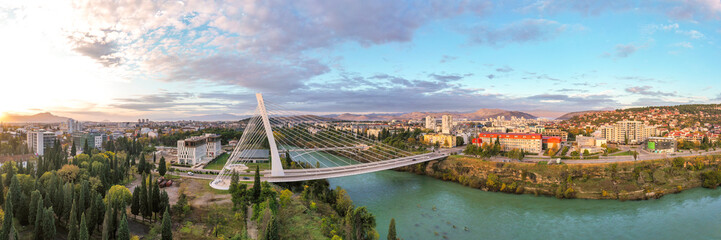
(176, 59)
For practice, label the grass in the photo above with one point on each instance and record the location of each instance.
(297, 220)
(626, 153)
(251, 167)
(218, 163)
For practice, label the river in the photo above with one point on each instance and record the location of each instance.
(427, 208)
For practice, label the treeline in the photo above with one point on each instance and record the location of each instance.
(345, 221)
(403, 139)
(12, 145)
(172, 139)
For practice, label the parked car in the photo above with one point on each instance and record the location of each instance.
(246, 178)
(191, 173)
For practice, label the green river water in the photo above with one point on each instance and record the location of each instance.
(427, 208)
(410, 199)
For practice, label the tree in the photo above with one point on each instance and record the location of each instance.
(155, 202)
(392, 230)
(83, 232)
(15, 196)
(256, 186)
(271, 231)
(49, 224)
(164, 200)
(161, 166)
(135, 204)
(9, 169)
(73, 150)
(69, 173)
(123, 231)
(143, 199)
(118, 196)
(34, 197)
(86, 148)
(141, 164)
(39, 219)
(107, 223)
(73, 223)
(8, 220)
(167, 231)
(362, 223)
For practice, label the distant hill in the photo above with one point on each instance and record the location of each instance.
(216, 117)
(477, 115)
(570, 115)
(45, 117)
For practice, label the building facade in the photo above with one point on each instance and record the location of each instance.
(631, 131)
(430, 122)
(529, 142)
(443, 140)
(555, 132)
(447, 124)
(37, 141)
(199, 149)
(661, 144)
(74, 126)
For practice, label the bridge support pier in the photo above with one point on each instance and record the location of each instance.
(276, 167)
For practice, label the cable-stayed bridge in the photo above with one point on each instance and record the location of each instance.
(305, 147)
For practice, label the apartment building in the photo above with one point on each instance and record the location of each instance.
(447, 124)
(430, 122)
(633, 131)
(529, 142)
(443, 140)
(37, 141)
(555, 132)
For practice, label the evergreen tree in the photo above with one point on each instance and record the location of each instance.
(69, 201)
(99, 207)
(155, 203)
(167, 230)
(34, 197)
(73, 223)
(73, 150)
(39, 219)
(141, 164)
(135, 204)
(164, 200)
(15, 196)
(161, 166)
(8, 221)
(149, 197)
(86, 147)
(13, 233)
(143, 198)
(49, 224)
(271, 231)
(256, 186)
(107, 224)
(83, 231)
(392, 230)
(9, 174)
(123, 231)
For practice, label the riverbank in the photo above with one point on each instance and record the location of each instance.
(622, 181)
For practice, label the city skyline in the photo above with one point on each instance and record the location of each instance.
(163, 60)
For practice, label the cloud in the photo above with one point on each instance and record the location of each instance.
(640, 79)
(683, 45)
(99, 47)
(692, 9)
(165, 101)
(691, 33)
(586, 8)
(448, 78)
(504, 69)
(646, 90)
(623, 51)
(529, 30)
(447, 58)
(490, 76)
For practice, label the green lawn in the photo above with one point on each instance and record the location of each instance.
(626, 153)
(218, 163)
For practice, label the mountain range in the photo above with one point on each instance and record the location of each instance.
(45, 117)
(477, 115)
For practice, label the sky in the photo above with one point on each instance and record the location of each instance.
(124, 60)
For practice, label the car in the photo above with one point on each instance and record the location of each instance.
(191, 173)
(413, 159)
(246, 178)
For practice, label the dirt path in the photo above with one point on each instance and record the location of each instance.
(251, 225)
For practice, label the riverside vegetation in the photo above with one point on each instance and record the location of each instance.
(623, 181)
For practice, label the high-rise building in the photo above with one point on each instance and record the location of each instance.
(633, 131)
(443, 140)
(38, 141)
(447, 124)
(430, 122)
(74, 126)
(94, 139)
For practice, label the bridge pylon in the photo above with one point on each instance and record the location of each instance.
(276, 167)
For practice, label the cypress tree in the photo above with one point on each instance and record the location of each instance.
(8, 221)
(83, 232)
(34, 197)
(49, 224)
(167, 230)
(39, 219)
(9, 175)
(135, 204)
(15, 195)
(256, 186)
(73, 150)
(156, 200)
(141, 165)
(69, 201)
(99, 207)
(161, 167)
(107, 224)
(86, 147)
(123, 231)
(392, 230)
(143, 198)
(73, 223)
(271, 231)
(164, 200)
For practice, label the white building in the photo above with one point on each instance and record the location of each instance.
(447, 124)
(74, 126)
(38, 141)
(199, 149)
(430, 122)
(634, 131)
